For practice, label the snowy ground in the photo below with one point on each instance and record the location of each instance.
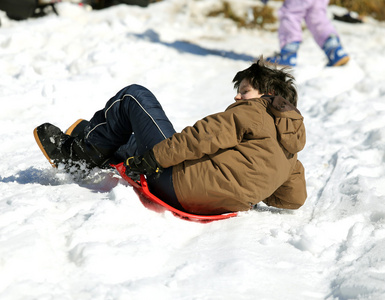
(93, 239)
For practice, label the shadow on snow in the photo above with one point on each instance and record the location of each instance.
(187, 47)
(97, 181)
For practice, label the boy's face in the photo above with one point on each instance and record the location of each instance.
(246, 91)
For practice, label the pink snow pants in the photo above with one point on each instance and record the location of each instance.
(314, 12)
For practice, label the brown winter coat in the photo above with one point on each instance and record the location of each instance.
(232, 160)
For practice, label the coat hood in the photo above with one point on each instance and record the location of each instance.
(289, 124)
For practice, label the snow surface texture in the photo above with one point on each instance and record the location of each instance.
(62, 238)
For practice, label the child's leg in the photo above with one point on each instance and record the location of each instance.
(136, 110)
(319, 23)
(290, 16)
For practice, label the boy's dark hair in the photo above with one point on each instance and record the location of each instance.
(268, 79)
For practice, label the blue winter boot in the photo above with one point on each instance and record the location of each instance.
(287, 56)
(334, 51)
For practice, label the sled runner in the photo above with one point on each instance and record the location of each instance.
(154, 203)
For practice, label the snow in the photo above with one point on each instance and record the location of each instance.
(63, 238)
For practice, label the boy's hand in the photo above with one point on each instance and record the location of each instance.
(142, 164)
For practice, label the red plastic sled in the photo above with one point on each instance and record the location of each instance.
(154, 203)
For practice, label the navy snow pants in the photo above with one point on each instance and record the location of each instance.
(132, 122)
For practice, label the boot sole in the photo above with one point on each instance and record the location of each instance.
(36, 135)
(342, 61)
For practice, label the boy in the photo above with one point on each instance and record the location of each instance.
(225, 162)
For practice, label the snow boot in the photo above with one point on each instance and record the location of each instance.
(78, 130)
(334, 51)
(287, 56)
(73, 152)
